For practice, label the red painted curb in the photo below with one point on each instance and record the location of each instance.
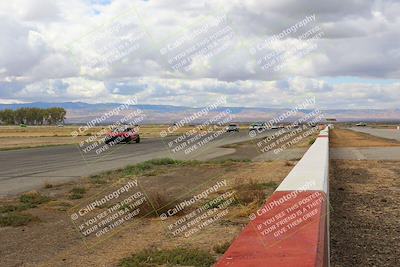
(285, 233)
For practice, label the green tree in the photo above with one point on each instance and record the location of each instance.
(56, 115)
(33, 116)
(7, 116)
(20, 115)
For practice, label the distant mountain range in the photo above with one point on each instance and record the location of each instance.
(79, 112)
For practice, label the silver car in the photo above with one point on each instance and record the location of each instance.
(232, 128)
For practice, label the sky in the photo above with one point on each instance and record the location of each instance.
(188, 53)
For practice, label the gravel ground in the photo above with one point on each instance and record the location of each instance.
(365, 212)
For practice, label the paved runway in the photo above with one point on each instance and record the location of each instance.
(384, 133)
(27, 169)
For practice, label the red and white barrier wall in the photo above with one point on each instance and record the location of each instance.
(292, 228)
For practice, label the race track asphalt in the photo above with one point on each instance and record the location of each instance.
(27, 169)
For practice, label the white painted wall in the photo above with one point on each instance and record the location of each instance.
(311, 172)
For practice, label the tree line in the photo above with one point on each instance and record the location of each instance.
(32, 116)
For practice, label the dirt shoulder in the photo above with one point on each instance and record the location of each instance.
(11, 143)
(364, 221)
(50, 239)
(364, 199)
(347, 138)
(249, 149)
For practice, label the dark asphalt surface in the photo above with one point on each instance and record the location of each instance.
(27, 169)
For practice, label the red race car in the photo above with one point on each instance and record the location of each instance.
(122, 135)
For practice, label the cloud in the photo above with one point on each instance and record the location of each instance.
(187, 53)
(37, 11)
(22, 47)
(200, 92)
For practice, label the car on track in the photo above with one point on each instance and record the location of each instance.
(257, 126)
(361, 124)
(122, 135)
(232, 128)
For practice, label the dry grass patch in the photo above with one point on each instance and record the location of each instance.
(222, 247)
(170, 257)
(55, 241)
(15, 219)
(13, 213)
(77, 192)
(349, 138)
